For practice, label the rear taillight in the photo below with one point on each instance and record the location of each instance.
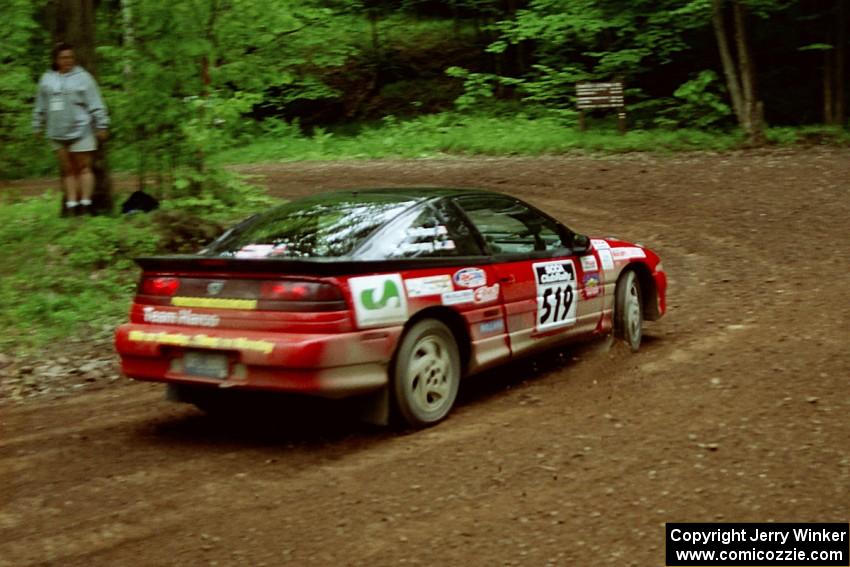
(293, 290)
(160, 286)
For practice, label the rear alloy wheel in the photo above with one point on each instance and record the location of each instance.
(628, 311)
(426, 375)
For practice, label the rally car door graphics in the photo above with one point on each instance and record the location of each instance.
(378, 300)
(557, 289)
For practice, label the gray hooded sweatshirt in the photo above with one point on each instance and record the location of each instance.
(68, 103)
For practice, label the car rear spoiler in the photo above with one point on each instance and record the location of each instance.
(313, 266)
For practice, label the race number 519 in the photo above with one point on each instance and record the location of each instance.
(556, 288)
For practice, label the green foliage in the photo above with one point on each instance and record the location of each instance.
(701, 105)
(183, 77)
(697, 103)
(75, 276)
(512, 133)
(634, 34)
(216, 194)
(809, 135)
(21, 152)
(65, 277)
(478, 87)
(198, 78)
(585, 40)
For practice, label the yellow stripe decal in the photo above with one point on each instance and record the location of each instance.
(214, 303)
(202, 341)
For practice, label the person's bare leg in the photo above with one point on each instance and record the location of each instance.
(69, 177)
(82, 163)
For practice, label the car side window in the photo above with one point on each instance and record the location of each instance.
(435, 231)
(510, 227)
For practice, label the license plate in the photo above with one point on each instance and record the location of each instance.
(208, 365)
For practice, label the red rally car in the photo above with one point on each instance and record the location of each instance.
(395, 294)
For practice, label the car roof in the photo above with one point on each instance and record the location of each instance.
(416, 193)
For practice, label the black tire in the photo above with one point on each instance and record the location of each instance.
(426, 374)
(628, 310)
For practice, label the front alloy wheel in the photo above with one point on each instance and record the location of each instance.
(628, 311)
(426, 374)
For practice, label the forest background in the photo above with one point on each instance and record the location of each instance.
(248, 80)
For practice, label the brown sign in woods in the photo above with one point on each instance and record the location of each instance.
(601, 95)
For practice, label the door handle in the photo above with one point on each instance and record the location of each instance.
(508, 279)
(492, 313)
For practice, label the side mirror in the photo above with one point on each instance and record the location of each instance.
(581, 244)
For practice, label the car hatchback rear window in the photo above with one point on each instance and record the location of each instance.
(317, 227)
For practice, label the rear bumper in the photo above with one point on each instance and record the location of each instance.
(329, 365)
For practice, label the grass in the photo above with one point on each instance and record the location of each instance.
(448, 133)
(65, 277)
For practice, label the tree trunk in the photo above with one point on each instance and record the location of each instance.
(129, 35)
(372, 15)
(73, 21)
(752, 108)
(840, 114)
(730, 70)
(828, 117)
(740, 74)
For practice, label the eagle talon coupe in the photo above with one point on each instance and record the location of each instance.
(389, 294)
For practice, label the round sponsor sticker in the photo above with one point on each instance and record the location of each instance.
(470, 277)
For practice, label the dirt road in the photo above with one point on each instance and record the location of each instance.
(736, 408)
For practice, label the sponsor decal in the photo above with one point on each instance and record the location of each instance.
(378, 300)
(606, 259)
(470, 277)
(429, 285)
(214, 303)
(556, 289)
(590, 285)
(182, 317)
(202, 341)
(627, 253)
(494, 326)
(487, 294)
(458, 297)
(599, 244)
(424, 232)
(588, 263)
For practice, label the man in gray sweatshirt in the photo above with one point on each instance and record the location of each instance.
(69, 108)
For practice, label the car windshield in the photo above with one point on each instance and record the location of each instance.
(326, 226)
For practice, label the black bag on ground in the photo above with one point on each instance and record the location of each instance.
(139, 202)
